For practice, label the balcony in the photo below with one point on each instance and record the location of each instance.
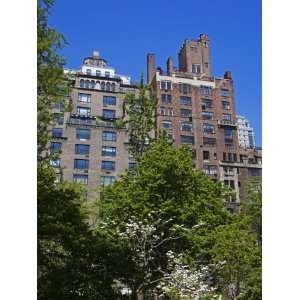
(226, 123)
(93, 122)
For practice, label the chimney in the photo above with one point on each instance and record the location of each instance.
(170, 68)
(150, 67)
(227, 75)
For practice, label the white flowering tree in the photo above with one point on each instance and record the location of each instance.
(147, 240)
(184, 282)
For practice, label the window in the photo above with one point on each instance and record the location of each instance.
(60, 105)
(185, 126)
(207, 115)
(109, 113)
(224, 93)
(82, 149)
(108, 86)
(57, 132)
(98, 73)
(231, 183)
(254, 172)
(186, 139)
(107, 180)
(55, 163)
(185, 112)
(209, 141)
(83, 134)
(81, 83)
(226, 117)
(166, 98)
(184, 100)
(108, 151)
(170, 111)
(225, 105)
(193, 49)
(228, 136)
(55, 146)
(102, 85)
(166, 124)
(205, 90)
(165, 85)
(162, 111)
(170, 137)
(206, 103)
(93, 84)
(84, 97)
(58, 118)
(81, 164)
(215, 155)
(80, 178)
(210, 169)
(205, 155)
(109, 136)
(196, 68)
(109, 100)
(87, 84)
(132, 166)
(107, 74)
(108, 165)
(113, 87)
(83, 111)
(185, 88)
(88, 71)
(208, 128)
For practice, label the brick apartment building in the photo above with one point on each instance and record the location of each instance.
(195, 108)
(93, 147)
(199, 110)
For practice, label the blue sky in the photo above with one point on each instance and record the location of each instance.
(125, 31)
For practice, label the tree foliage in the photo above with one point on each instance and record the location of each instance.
(52, 84)
(188, 203)
(140, 119)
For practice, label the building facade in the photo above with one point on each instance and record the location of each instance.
(198, 110)
(94, 148)
(246, 135)
(195, 108)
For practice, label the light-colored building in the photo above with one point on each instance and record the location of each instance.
(246, 135)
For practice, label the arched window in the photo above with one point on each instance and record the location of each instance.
(92, 84)
(87, 84)
(113, 87)
(103, 85)
(81, 83)
(97, 85)
(108, 86)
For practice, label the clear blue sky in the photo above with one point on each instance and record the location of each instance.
(125, 31)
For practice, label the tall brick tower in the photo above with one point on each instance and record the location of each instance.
(198, 110)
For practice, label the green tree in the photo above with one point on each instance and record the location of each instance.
(235, 249)
(73, 263)
(189, 202)
(52, 84)
(140, 119)
(251, 209)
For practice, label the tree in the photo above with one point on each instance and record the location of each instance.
(140, 119)
(73, 263)
(187, 201)
(251, 209)
(236, 251)
(52, 84)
